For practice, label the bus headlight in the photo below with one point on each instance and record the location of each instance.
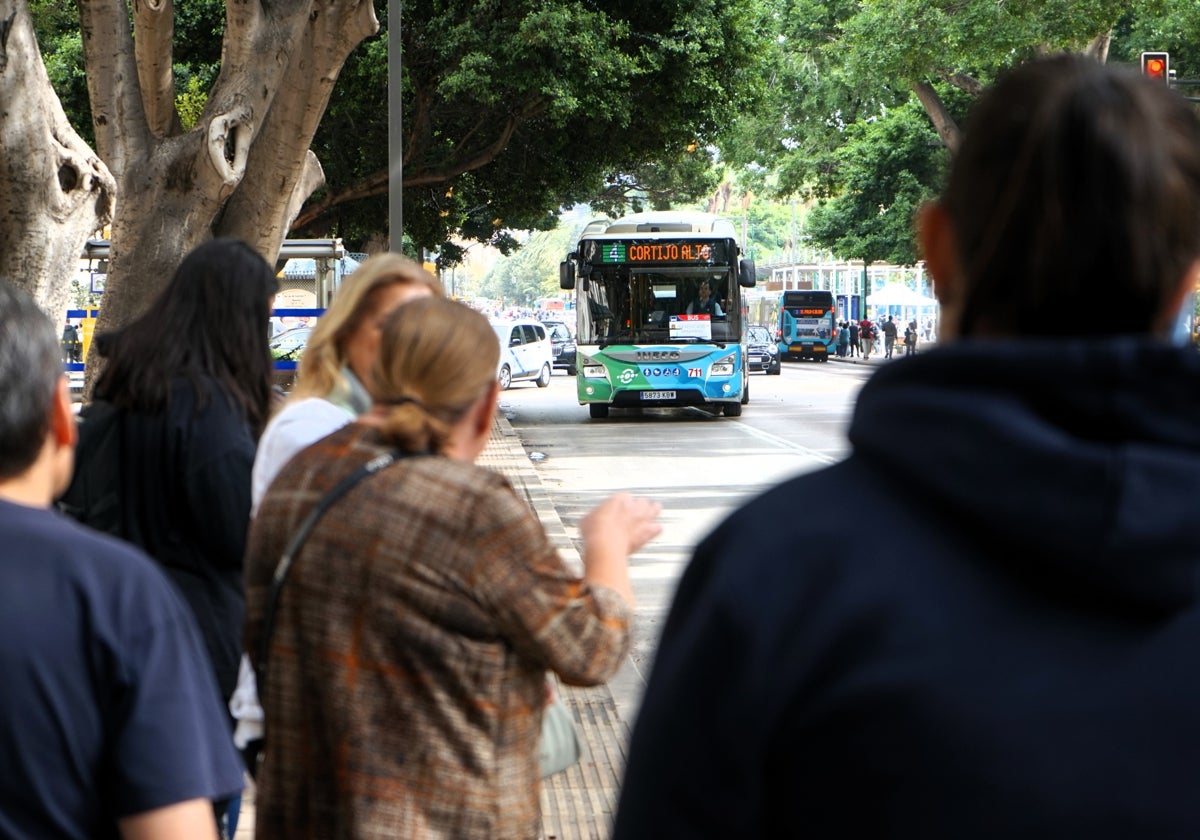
(591, 368)
(723, 366)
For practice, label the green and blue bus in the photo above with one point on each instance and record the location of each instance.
(807, 325)
(646, 336)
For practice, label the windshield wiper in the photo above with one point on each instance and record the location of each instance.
(616, 339)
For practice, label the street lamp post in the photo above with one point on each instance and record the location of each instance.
(395, 130)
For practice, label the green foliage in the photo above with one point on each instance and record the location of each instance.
(629, 106)
(602, 101)
(532, 272)
(842, 71)
(80, 295)
(190, 103)
(887, 168)
(1173, 28)
(56, 25)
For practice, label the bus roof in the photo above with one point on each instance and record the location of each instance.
(664, 221)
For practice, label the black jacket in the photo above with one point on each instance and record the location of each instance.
(995, 638)
(187, 485)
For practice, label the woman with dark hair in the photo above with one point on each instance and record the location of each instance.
(192, 377)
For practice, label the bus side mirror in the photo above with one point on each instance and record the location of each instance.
(566, 275)
(747, 275)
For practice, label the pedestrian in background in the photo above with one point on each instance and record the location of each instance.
(71, 345)
(889, 337)
(110, 724)
(409, 653)
(854, 351)
(866, 335)
(1019, 662)
(843, 342)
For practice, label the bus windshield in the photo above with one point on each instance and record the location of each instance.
(632, 306)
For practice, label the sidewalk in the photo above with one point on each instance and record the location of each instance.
(577, 804)
(877, 357)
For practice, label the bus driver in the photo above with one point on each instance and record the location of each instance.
(705, 303)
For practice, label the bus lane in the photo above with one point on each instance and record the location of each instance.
(700, 467)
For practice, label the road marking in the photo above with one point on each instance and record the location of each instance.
(785, 444)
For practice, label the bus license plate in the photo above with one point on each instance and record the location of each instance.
(658, 395)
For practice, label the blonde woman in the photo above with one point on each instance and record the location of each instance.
(412, 636)
(332, 386)
(331, 390)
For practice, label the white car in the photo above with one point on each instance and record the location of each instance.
(526, 352)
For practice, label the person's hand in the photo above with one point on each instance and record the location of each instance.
(612, 531)
(622, 524)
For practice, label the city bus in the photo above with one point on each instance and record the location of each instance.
(647, 333)
(807, 327)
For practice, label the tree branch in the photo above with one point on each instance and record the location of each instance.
(118, 117)
(377, 182)
(943, 123)
(153, 41)
(1098, 48)
(263, 207)
(965, 83)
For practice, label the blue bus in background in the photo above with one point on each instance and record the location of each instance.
(807, 326)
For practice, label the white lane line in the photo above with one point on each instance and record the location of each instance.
(786, 444)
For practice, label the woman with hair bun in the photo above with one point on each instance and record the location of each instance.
(412, 639)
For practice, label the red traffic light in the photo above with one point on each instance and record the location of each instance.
(1157, 65)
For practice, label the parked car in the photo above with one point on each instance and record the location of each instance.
(526, 352)
(762, 353)
(564, 345)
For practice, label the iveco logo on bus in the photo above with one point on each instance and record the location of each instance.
(658, 355)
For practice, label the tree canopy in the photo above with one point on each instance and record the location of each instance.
(514, 110)
(840, 127)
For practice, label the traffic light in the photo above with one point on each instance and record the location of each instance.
(1157, 65)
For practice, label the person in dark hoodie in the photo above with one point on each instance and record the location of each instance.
(1021, 661)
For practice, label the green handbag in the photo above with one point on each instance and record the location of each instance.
(559, 747)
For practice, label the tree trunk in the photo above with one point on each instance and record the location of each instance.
(245, 168)
(57, 192)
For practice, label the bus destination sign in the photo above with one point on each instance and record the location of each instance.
(658, 251)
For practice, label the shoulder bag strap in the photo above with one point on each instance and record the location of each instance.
(293, 547)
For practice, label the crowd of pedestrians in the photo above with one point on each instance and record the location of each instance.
(866, 338)
(1015, 664)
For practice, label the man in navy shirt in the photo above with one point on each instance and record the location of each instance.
(110, 724)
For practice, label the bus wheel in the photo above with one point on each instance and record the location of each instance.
(598, 410)
(733, 409)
